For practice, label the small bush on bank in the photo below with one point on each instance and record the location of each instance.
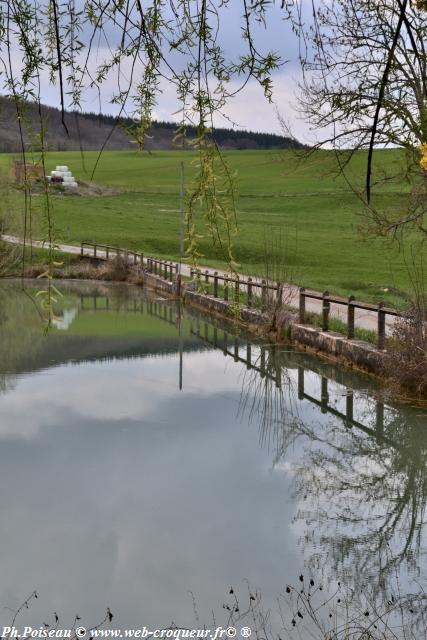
(406, 365)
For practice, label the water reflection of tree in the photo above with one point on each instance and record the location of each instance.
(363, 491)
(268, 398)
(366, 498)
(20, 328)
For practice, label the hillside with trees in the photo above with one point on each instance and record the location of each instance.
(90, 131)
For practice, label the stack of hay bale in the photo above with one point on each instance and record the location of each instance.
(61, 175)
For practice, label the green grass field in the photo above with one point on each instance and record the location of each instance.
(312, 208)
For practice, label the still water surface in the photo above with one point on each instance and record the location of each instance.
(119, 488)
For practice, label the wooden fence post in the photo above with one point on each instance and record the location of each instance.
(216, 284)
(237, 290)
(350, 318)
(225, 288)
(206, 276)
(263, 295)
(94, 250)
(249, 292)
(279, 294)
(302, 305)
(81, 249)
(381, 326)
(325, 311)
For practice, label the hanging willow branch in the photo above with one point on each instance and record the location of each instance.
(126, 52)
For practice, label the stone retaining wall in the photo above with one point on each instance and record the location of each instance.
(358, 353)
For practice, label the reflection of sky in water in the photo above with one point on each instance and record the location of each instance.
(117, 489)
(121, 491)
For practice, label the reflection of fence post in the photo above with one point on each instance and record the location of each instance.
(206, 331)
(302, 305)
(249, 287)
(215, 337)
(381, 326)
(379, 421)
(216, 284)
(248, 355)
(262, 362)
(300, 383)
(349, 408)
(277, 369)
(236, 349)
(225, 343)
(325, 395)
(350, 318)
(325, 311)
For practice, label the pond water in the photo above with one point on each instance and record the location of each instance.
(149, 456)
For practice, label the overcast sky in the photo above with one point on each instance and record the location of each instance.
(249, 109)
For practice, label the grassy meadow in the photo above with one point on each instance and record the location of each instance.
(307, 203)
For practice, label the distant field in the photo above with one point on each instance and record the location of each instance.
(314, 210)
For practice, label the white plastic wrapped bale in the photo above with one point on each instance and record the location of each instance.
(62, 171)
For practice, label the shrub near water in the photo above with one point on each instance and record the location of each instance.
(407, 362)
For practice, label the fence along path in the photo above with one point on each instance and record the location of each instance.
(376, 318)
(261, 293)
